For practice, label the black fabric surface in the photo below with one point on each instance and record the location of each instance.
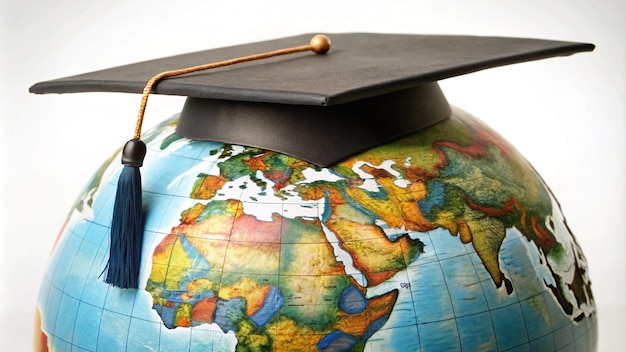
(358, 66)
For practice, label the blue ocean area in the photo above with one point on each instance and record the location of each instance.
(459, 309)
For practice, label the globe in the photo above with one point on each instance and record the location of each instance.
(445, 239)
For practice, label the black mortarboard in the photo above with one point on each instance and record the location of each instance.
(369, 89)
(319, 92)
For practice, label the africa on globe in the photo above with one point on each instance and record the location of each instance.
(445, 239)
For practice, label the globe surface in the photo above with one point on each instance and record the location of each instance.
(445, 239)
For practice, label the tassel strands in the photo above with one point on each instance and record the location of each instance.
(127, 224)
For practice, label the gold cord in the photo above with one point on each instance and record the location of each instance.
(320, 44)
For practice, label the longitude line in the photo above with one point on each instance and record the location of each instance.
(448, 290)
(406, 265)
(518, 299)
(493, 327)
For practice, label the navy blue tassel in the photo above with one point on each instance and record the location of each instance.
(127, 223)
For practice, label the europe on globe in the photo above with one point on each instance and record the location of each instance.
(445, 239)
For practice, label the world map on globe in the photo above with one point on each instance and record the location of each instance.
(445, 239)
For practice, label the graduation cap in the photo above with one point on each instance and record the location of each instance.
(277, 95)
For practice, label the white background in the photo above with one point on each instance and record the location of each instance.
(566, 115)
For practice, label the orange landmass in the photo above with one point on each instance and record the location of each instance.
(546, 239)
(247, 228)
(207, 188)
(204, 310)
(41, 339)
(377, 307)
(400, 209)
(257, 162)
(190, 215)
(372, 252)
(248, 289)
